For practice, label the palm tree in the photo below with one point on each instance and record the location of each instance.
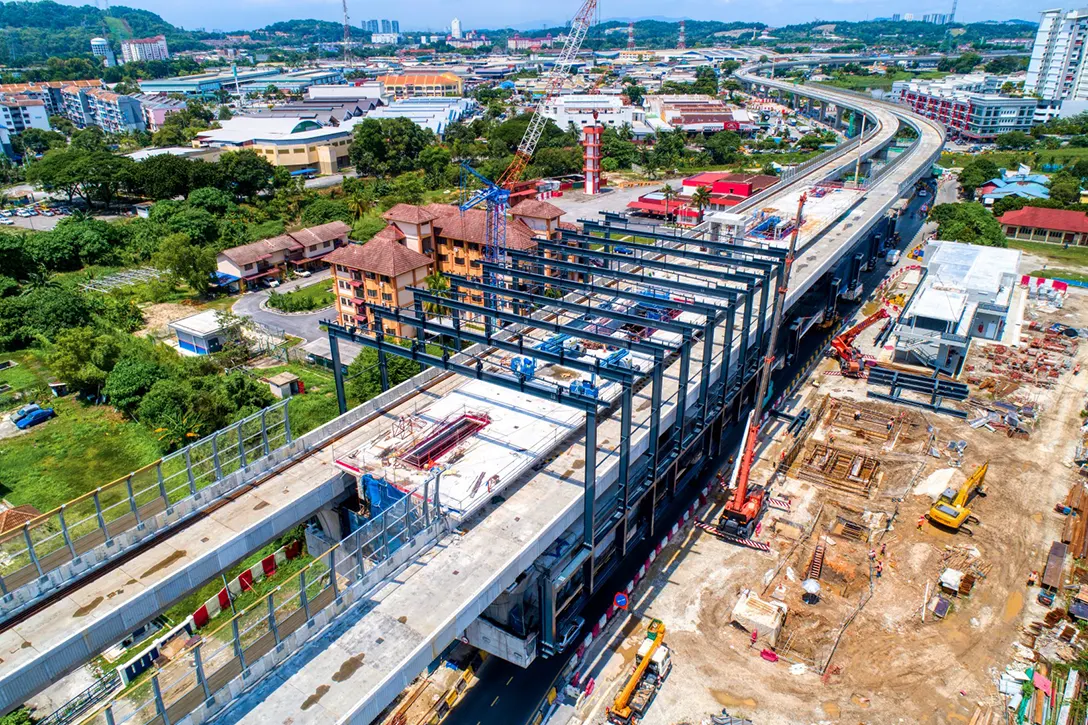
(438, 285)
(359, 205)
(701, 200)
(669, 193)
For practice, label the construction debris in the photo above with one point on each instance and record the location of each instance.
(840, 469)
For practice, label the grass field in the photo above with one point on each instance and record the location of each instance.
(884, 82)
(1053, 252)
(1058, 273)
(318, 405)
(84, 447)
(311, 297)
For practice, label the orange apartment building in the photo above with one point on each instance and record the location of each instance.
(422, 239)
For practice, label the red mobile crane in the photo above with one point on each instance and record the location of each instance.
(746, 505)
(850, 361)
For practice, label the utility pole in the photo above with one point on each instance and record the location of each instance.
(861, 140)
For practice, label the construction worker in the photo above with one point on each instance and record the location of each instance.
(891, 424)
(883, 549)
(921, 521)
(857, 415)
(879, 569)
(831, 439)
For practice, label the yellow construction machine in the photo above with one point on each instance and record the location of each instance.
(652, 666)
(950, 509)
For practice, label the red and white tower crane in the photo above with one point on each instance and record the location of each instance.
(682, 43)
(630, 36)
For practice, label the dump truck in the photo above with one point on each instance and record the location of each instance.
(652, 665)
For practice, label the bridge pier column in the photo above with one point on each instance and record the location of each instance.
(328, 518)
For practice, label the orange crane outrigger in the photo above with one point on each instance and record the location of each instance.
(850, 360)
(745, 506)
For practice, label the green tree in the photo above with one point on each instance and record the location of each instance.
(186, 262)
(976, 173)
(700, 199)
(634, 93)
(434, 160)
(1014, 140)
(92, 138)
(212, 200)
(439, 285)
(388, 146)
(364, 374)
(162, 176)
(247, 174)
(669, 194)
(1064, 188)
(323, 210)
(359, 204)
(723, 147)
(968, 222)
(198, 225)
(83, 358)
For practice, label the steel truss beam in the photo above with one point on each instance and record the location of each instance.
(423, 325)
(748, 291)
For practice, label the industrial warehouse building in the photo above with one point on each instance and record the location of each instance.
(967, 291)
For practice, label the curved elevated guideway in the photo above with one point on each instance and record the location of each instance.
(373, 637)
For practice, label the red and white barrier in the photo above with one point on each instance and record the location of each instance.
(266, 567)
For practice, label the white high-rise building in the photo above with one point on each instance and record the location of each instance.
(100, 48)
(1057, 71)
(455, 28)
(145, 49)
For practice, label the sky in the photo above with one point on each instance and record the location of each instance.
(435, 15)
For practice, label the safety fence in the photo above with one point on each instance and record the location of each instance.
(213, 669)
(66, 543)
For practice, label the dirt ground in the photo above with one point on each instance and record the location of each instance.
(887, 666)
(158, 316)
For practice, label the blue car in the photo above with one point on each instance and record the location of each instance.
(24, 412)
(34, 417)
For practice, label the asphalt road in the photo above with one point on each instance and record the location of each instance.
(306, 326)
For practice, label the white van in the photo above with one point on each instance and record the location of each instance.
(892, 257)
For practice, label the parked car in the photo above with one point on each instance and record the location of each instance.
(274, 283)
(305, 273)
(24, 411)
(34, 418)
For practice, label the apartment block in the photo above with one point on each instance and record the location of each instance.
(969, 105)
(1056, 71)
(423, 239)
(144, 49)
(19, 112)
(112, 112)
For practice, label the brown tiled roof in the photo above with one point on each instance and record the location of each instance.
(570, 226)
(15, 517)
(250, 253)
(381, 255)
(471, 226)
(321, 233)
(1059, 220)
(408, 213)
(537, 209)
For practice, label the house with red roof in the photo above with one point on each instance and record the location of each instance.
(1054, 226)
(422, 239)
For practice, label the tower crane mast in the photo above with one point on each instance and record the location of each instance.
(496, 195)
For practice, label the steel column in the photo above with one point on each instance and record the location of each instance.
(338, 373)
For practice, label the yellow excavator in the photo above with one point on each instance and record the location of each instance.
(652, 666)
(950, 509)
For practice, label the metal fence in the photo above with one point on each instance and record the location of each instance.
(80, 535)
(204, 677)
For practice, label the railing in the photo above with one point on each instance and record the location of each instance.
(205, 677)
(84, 701)
(81, 535)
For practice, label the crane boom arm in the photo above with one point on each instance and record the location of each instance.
(969, 485)
(555, 79)
(622, 704)
(740, 496)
